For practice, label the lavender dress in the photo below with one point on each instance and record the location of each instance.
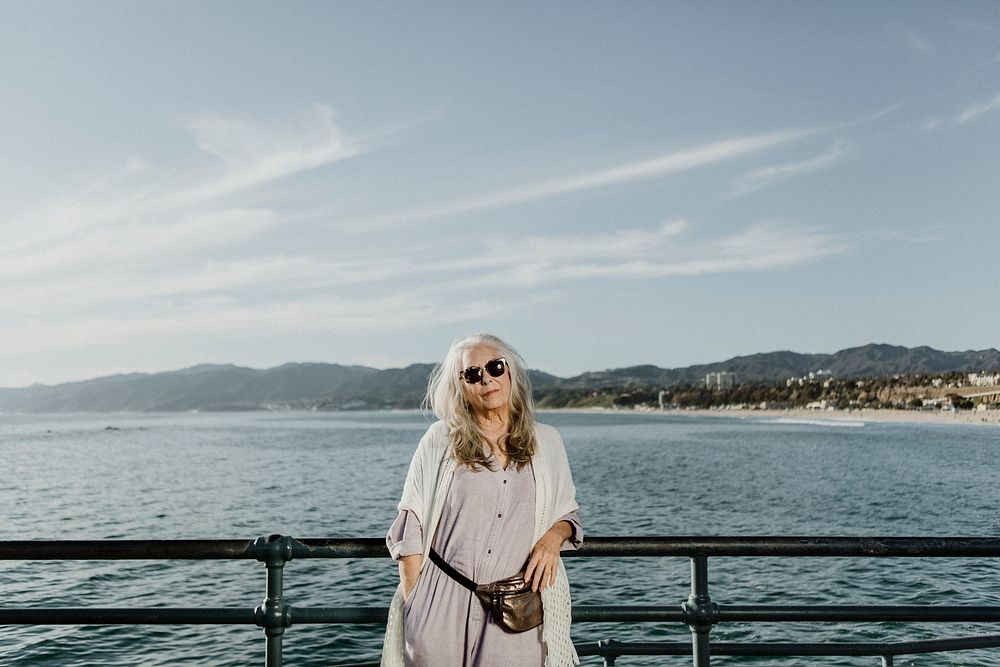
(485, 533)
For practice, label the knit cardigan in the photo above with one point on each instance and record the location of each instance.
(424, 494)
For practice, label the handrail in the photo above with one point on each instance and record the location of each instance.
(274, 615)
(616, 547)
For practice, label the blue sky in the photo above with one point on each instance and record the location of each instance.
(603, 184)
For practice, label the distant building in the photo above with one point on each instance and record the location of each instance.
(720, 380)
(814, 376)
(984, 380)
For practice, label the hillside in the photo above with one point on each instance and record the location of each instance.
(866, 361)
(337, 387)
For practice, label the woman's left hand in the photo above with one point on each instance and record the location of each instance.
(543, 563)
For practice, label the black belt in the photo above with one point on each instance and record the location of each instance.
(452, 572)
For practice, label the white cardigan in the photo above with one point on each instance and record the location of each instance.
(424, 494)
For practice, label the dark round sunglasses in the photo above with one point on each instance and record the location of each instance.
(495, 367)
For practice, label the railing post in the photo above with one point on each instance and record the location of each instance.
(886, 661)
(700, 613)
(273, 615)
(607, 649)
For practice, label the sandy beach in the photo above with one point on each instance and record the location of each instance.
(987, 417)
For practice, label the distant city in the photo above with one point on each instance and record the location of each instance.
(822, 390)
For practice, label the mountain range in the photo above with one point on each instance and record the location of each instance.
(324, 386)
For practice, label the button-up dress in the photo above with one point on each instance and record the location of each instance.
(485, 533)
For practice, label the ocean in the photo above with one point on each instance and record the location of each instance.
(240, 475)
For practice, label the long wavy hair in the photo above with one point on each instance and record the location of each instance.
(446, 399)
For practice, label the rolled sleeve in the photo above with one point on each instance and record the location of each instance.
(405, 536)
(574, 542)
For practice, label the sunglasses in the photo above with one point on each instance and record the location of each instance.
(474, 374)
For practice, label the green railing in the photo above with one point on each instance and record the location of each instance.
(274, 615)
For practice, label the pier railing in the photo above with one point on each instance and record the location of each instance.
(275, 615)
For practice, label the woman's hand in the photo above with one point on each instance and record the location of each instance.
(543, 563)
(409, 570)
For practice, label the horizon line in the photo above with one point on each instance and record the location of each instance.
(125, 374)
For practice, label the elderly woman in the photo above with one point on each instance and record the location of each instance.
(490, 490)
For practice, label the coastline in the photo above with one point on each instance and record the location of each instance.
(986, 417)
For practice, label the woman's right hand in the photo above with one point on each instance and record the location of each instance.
(409, 570)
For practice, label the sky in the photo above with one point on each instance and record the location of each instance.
(600, 184)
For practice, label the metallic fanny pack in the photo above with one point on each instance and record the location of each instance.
(514, 606)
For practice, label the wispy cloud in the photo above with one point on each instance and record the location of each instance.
(137, 232)
(136, 242)
(245, 155)
(655, 167)
(255, 278)
(196, 320)
(974, 111)
(255, 155)
(650, 253)
(296, 294)
(765, 176)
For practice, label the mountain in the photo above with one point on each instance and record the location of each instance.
(206, 387)
(866, 361)
(227, 387)
(337, 387)
(877, 359)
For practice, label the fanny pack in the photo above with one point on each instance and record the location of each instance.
(511, 602)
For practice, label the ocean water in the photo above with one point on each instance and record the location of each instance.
(237, 476)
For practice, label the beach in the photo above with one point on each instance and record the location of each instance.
(985, 417)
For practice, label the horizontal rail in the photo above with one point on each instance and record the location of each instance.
(617, 547)
(185, 616)
(856, 614)
(612, 648)
(769, 546)
(134, 616)
(581, 614)
(126, 549)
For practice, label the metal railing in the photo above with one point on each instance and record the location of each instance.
(274, 615)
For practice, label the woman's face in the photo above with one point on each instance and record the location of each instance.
(491, 396)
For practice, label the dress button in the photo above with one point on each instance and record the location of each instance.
(489, 551)
(499, 515)
(505, 481)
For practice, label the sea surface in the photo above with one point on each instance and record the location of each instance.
(237, 476)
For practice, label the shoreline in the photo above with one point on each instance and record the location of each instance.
(987, 417)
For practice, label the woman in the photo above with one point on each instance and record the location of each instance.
(491, 491)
